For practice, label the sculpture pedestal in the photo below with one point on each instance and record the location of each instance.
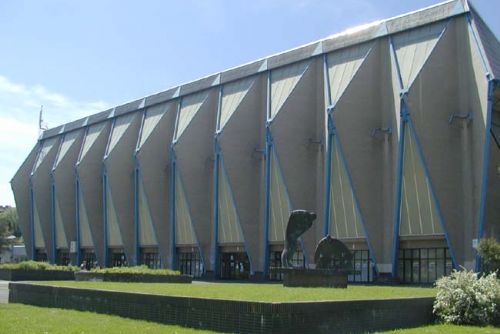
(310, 278)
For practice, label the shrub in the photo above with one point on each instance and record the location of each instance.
(489, 250)
(135, 270)
(34, 265)
(463, 298)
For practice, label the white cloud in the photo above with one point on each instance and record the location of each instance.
(19, 108)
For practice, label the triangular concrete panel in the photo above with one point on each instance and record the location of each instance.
(342, 66)
(419, 214)
(229, 224)
(68, 141)
(39, 238)
(184, 232)
(283, 81)
(85, 234)
(413, 47)
(190, 106)
(151, 120)
(48, 146)
(90, 138)
(233, 94)
(280, 206)
(345, 220)
(147, 234)
(61, 239)
(114, 234)
(120, 126)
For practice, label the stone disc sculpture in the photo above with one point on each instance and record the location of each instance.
(332, 254)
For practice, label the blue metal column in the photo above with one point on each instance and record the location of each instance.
(403, 116)
(267, 179)
(52, 258)
(105, 214)
(77, 217)
(215, 245)
(486, 157)
(329, 142)
(136, 212)
(137, 242)
(32, 220)
(172, 208)
(214, 258)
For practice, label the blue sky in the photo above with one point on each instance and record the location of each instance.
(80, 57)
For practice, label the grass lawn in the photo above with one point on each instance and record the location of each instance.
(18, 318)
(255, 292)
(445, 329)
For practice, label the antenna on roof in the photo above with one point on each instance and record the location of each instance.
(41, 125)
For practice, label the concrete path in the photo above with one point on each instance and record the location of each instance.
(4, 292)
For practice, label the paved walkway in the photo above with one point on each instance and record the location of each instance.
(4, 292)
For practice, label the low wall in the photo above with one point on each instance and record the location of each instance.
(144, 278)
(235, 316)
(36, 275)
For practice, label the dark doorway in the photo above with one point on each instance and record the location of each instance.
(234, 266)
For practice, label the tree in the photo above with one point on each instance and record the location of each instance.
(8, 225)
(489, 250)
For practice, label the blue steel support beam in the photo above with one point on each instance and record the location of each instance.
(215, 245)
(173, 167)
(328, 176)
(486, 157)
(267, 180)
(105, 215)
(214, 257)
(399, 178)
(329, 142)
(77, 218)
(52, 257)
(32, 220)
(137, 245)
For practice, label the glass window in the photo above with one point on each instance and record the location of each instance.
(423, 265)
(189, 263)
(234, 266)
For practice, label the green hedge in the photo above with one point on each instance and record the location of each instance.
(33, 265)
(135, 270)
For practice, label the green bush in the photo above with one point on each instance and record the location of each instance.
(135, 270)
(489, 250)
(465, 299)
(34, 265)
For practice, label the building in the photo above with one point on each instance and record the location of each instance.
(390, 132)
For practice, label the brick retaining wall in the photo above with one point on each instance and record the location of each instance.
(235, 316)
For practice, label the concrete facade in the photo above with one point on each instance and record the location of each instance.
(388, 132)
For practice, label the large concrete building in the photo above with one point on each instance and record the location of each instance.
(390, 132)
